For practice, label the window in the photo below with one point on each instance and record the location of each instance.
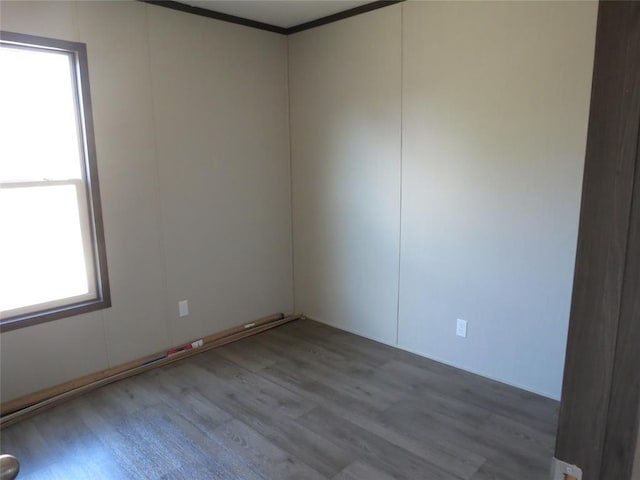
(52, 254)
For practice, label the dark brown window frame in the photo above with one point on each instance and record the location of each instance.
(78, 52)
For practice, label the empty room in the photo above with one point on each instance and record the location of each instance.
(319, 239)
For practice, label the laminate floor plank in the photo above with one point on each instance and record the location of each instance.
(365, 390)
(26, 442)
(361, 349)
(247, 386)
(287, 345)
(449, 456)
(302, 401)
(103, 469)
(251, 354)
(158, 442)
(347, 374)
(272, 462)
(340, 342)
(359, 470)
(291, 376)
(487, 394)
(375, 450)
(318, 452)
(423, 424)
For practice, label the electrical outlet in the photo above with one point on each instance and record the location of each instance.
(461, 328)
(183, 308)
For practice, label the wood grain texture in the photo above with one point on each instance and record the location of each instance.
(358, 470)
(599, 284)
(624, 405)
(636, 462)
(219, 416)
(601, 381)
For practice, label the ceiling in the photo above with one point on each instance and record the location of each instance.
(281, 13)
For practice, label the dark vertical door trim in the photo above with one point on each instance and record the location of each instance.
(636, 463)
(599, 409)
(624, 404)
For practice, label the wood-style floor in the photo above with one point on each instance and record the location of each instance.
(302, 401)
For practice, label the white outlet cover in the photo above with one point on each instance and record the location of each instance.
(461, 328)
(183, 308)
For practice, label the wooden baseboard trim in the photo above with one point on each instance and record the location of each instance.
(28, 405)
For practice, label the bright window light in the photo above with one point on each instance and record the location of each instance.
(38, 125)
(51, 248)
(39, 268)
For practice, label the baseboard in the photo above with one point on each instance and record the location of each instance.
(22, 407)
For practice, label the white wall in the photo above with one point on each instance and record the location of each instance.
(191, 128)
(494, 101)
(345, 145)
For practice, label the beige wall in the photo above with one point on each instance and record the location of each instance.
(495, 111)
(345, 145)
(494, 99)
(464, 121)
(192, 140)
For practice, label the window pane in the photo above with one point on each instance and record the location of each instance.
(41, 248)
(52, 253)
(38, 122)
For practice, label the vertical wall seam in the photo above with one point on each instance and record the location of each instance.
(401, 159)
(289, 132)
(156, 174)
